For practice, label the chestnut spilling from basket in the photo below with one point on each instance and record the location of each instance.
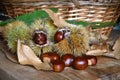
(68, 60)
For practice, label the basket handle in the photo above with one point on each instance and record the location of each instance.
(76, 3)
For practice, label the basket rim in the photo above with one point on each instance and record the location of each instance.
(63, 3)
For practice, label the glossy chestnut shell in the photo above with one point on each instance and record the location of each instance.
(67, 59)
(39, 37)
(58, 66)
(61, 34)
(49, 56)
(80, 63)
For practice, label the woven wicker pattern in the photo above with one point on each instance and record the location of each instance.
(17, 8)
(93, 13)
(90, 10)
(103, 31)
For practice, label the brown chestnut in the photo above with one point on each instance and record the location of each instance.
(58, 66)
(61, 34)
(49, 56)
(40, 37)
(54, 57)
(67, 59)
(80, 63)
(92, 60)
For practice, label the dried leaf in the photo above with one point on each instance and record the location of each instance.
(21, 57)
(116, 49)
(117, 45)
(58, 21)
(26, 56)
(35, 61)
(97, 52)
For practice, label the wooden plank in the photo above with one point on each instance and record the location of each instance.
(106, 69)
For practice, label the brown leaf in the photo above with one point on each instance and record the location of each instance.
(96, 52)
(116, 49)
(117, 45)
(26, 56)
(58, 21)
(21, 56)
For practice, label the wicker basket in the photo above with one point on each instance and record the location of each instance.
(89, 10)
(80, 10)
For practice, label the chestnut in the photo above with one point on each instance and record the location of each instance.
(54, 57)
(45, 57)
(40, 37)
(67, 59)
(58, 66)
(49, 56)
(61, 34)
(92, 60)
(80, 63)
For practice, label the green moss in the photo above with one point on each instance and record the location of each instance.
(94, 25)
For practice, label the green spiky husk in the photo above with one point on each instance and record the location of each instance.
(14, 31)
(37, 25)
(48, 48)
(51, 29)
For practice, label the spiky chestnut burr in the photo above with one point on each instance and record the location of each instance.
(37, 25)
(48, 48)
(39, 33)
(14, 31)
(78, 40)
(42, 31)
(62, 47)
(51, 29)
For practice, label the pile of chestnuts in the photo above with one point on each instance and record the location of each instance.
(68, 60)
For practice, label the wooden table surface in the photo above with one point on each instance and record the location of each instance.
(106, 69)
